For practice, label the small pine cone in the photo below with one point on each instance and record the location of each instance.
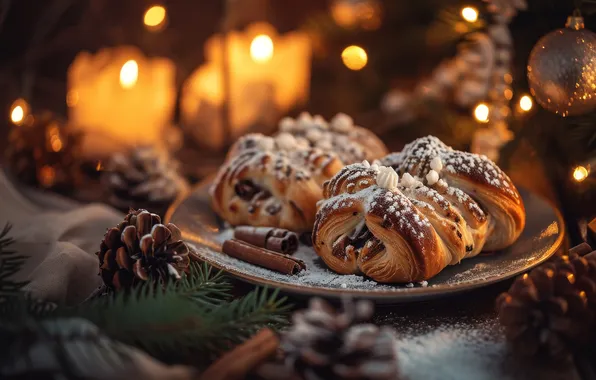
(550, 311)
(144, 178)
(140, 248)
(44, 152)
(324, 344)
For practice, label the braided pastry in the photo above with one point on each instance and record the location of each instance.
(350, 142)
(405, 230)
(261, 184)
(468, 173)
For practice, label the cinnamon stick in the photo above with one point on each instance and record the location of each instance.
(236, 364)
(581, 249)
(262, 257)
(274, 239)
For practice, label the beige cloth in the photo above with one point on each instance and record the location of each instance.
(59, 236)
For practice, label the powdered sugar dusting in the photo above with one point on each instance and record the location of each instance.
(350, 142)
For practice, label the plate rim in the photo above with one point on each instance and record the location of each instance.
(399, 296)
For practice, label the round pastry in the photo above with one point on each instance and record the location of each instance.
(262, 185)
(350, 142)
(470, 174)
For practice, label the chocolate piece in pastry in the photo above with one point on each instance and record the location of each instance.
(466, 174)
(261, 185)
(391, 230)
(350, 142)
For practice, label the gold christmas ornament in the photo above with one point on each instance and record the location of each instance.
(562, 69)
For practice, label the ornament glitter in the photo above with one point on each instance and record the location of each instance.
(562, 69)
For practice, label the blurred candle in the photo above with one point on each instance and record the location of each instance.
(120, 98)
(269, 74)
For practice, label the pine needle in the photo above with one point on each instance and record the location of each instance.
(204, 286)
(10, 264)
(190, 319)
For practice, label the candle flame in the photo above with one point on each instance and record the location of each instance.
(261, 48)
(481, 113)
(525, 103)
(129, 74)
(580, 173)
(470, 14)
(17, 114)
(19, 111)
(154, 17)
(354, 57)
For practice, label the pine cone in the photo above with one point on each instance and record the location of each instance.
(550, 311)
(144, 178)
(324, 344)
(140, 248)
(43, 152)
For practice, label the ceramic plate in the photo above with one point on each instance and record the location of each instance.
(542, 236)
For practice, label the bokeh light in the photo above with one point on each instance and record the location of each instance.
(354, 57)
(526, 103)
(470, 14)
(155, 17)
(580, 173)
(19, 110)
(481, 113)
(261, 48)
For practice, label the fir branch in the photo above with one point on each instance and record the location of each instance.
(10, 264)
(203, 286)
(185, 319)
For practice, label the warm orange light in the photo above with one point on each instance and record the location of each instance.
(261, 48)
(508, 78)
(155, 17)
(47, 176)
(99, 166)
(580, 173)
(470, 14)
(129, 74)
(481, 113)
(508, 94)
(72, 98)
(354, 57)
(526, 103)
(56, 143)
(19, 111)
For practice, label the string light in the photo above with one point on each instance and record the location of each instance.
(129, 74)
(261, 48)
(470, 14)
(354, 57)
(481, 113)
(526, 103)
(580, 173)
(18, 111)
(155, 17)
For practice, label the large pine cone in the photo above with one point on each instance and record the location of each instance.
(550, 311)
(43, 152)
(323, 344)
(143, 178)
(141, 248)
